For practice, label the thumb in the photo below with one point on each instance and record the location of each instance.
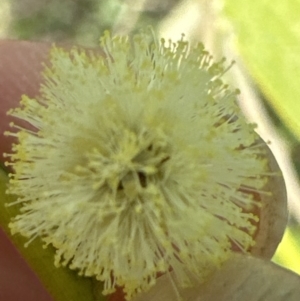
(20, 69)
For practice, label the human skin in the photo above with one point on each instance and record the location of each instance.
(20, 68)
(21, 64)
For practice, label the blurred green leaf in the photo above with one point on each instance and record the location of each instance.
(62, 283)
(268, 37)
(288, 254)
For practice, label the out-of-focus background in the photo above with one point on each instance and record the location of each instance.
(261, 36)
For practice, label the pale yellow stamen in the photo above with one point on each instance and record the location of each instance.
(136, 163)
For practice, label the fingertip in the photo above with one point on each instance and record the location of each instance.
(14, 273)
(20, 73)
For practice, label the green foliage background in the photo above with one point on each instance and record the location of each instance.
(268, 37)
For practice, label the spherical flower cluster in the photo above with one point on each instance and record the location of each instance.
(137, 162)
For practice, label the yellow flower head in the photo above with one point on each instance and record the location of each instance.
(138, 162)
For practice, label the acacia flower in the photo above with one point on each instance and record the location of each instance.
(137, 162)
